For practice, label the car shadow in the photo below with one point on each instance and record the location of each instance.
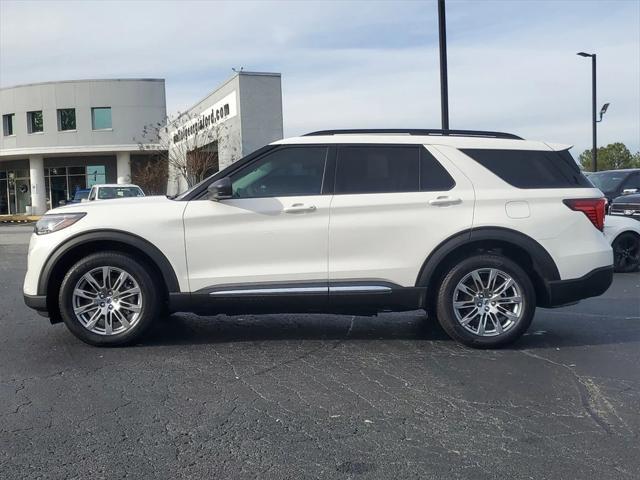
(544, 333)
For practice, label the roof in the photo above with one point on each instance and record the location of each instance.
(474, 139)
(83, 81)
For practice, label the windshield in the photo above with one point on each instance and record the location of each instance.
(106, 193)
(607, 181)
(81, 195)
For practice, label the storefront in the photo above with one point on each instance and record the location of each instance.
(59, 137)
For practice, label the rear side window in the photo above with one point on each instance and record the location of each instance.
(377, 169)
(433, 176)
(531, 168)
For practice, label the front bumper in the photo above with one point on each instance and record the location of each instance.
(37, 302)
(594, 283)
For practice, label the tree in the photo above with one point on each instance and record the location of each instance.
(612, 157)
(189, 147)
(150, 172)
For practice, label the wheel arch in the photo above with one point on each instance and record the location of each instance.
(69, 252)
(522, 249)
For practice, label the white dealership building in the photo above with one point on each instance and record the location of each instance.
(58, 137)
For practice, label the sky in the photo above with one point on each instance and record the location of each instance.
(355, 64)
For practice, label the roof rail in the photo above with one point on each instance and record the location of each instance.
(413, 131)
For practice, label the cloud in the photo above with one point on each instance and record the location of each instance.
(512, 65)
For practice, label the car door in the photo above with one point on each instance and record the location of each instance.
(271, 236)
(392, 206)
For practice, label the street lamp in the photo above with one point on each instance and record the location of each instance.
(594, 151)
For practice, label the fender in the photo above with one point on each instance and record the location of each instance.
(542, 261)
(163, 264)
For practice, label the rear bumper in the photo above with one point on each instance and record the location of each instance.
(594, 283)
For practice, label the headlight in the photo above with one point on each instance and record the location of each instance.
(55, 222)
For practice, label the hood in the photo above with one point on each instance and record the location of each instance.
(111, 204)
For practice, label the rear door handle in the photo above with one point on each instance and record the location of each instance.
(444, 201)
(300, 208)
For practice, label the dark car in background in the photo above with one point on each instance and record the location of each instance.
(627, 206)
(80, 195)
(614, 183)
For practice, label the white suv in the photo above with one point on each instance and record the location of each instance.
(477, 228)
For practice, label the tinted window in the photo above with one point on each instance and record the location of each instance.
(285, 172)
(433, 176)
(34, 122)
(608, 181)
(632, 182)
(531, 168)
(377, 169)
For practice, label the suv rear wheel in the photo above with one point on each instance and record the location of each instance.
(486, 301)
(108, 299)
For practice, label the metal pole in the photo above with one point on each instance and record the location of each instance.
(444, 90)
(594, 155)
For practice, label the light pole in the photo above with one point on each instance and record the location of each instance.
(444, 89)
(594, 151)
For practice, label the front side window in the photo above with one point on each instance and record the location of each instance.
(34, 122)
(66, 119)
(286, 172)
(377, 169)
(7, 124)
(101, 118)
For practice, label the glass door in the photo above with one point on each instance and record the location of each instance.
(4, 194)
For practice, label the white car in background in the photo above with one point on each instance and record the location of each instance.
(110, 191)
(624, 236)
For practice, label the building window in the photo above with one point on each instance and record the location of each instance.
(66, 119)
(34, 122)
(7, 124)
(101, 118)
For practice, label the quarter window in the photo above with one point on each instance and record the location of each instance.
(531, 168)
(7, 124)
(101, 118)
(286, 172)
(34, 122)
(377, 169)
(66, 119)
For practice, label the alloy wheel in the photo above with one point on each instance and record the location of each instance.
(488, 302)
(107, 301)
(626, 252)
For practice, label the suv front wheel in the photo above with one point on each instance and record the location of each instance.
(108, 299)
(486, 301)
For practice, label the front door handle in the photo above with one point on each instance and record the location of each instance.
(444, 201)
(300, 208)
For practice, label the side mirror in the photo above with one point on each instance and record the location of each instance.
(220, 189)
(629, 191)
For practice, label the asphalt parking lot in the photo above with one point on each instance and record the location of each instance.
(315, 396)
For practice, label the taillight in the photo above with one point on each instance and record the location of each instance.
(593, 208)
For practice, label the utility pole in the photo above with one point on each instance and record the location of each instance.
(594, 121)
(444, 89)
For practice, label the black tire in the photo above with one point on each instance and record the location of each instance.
(150, 299)
(626, 252)
(446, 313)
